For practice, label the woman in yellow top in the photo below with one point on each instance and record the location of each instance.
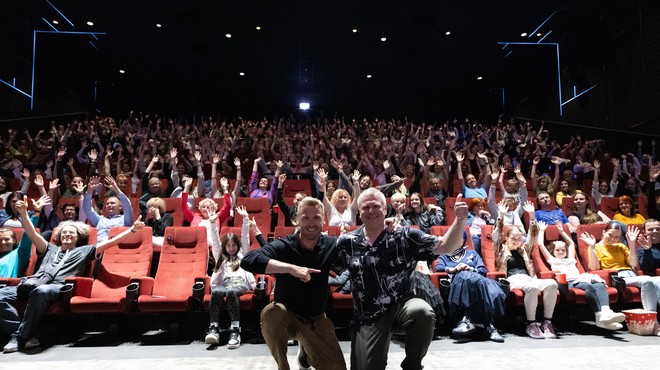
(611, 253)
(627, 213)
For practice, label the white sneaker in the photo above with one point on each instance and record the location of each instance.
(610, 317)
(611, 326)
(234, 338)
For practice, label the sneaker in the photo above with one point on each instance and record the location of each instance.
(464, 327)
(12, 346)
(534, 331)
(234, 338)
(493, 334)
(213, 335)
(548, 329)
(614, 326)
(656, 329)
(32, 343)
(303, 363)
(611, 317)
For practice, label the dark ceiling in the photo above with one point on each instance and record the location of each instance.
(307, 50)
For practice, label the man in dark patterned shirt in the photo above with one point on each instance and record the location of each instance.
(381, 265)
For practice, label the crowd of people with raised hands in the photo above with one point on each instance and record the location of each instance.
(87, 171)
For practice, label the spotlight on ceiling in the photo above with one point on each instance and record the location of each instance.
(448, 33)
(539, 34)
(368, 76)
(228, 35)
(90, 23)
(258, 28)
(383, 39)
(480, 78)
(122, 71)
(159, 25)
(56, 22)
(523, 34)
(241, 73)
(304, 106)
(354, 30)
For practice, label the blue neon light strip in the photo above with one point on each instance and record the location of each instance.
(507, 54)
(48, 23)
(542, 23)
(544, 36)
(15, 88)
(34, 56)
(580, 94)
(94, 46)
(57, 10)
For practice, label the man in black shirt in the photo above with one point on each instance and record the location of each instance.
(301, 263)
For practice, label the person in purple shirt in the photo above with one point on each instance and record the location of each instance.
(260, 189)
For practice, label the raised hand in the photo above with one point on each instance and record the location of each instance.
(588, 238)
(256, 161)
(242, 211)
(459, 157)
(70, 162)
(282, 178)
(54, 183)
(542, 225)
(430, 162)
(93, 155)
(112, 184)
(94, 182)
(632, 233)
(108, 152)
(39, 181)
(187, 182)
(22, 206)
(25, 173)
(224, 183)
(138, 224)
(596, 164)
(216, 158)
(155, 159)
(528, 207)
(41, 202)
(502, 207)
(173, 153)
(61, 152)
(495, 174)
(198, 156)
(386, 165)
(644, 242)
(237, 162)
(356, 176)
(461, 208)
(536, 160)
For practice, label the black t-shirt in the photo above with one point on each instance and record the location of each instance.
(516, 264)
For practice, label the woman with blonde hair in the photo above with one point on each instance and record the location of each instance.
(341, 209)
(158, 220)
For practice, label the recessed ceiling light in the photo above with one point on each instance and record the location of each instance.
(523, 34)
(228, 35)
(383, 39)
(354, 30)
(242, 74)
(258, 28)
(448, 33)
(539, 34)
(56, 22)
(122, 71)
(158, 25)
(90, 23)
(368, 76)
(480, 78)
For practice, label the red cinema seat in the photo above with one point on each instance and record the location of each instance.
(291, 187)
(107, 293)
(257, 208)
(236, 230)
(183, 262)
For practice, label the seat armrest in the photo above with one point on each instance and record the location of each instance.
(82, 286)
(206, 280)
(495, 275)
(546, 275)
(146, 284)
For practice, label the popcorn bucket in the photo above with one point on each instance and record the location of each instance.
(639, 321)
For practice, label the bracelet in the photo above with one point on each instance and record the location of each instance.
(132, 230)
(238, 168)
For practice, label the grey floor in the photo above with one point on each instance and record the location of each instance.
(580, 346)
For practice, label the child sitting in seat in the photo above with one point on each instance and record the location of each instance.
(560, 255)
(229, 279)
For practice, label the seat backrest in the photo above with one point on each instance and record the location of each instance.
(594, 229)
(291, 187)
(282, 231)
(609, 206)
(173, 206)
(487, 248)
(130, 258)
(236, 230)
(567, 205)
(259, 208)
(184, 257)
(551, 234)
(442, 230)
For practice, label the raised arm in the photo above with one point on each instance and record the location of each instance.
(459, 171)
(358, 190)
(137, 225)
(453, 239)
(39, 242)
(245, 230)
(594, 263)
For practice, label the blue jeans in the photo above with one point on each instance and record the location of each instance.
(596, 294)
(38, 303)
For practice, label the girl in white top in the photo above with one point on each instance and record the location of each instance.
(342, 208)
(229, 279)
(560, 255)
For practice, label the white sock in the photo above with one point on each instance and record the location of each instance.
(235, 324)
(214, 323)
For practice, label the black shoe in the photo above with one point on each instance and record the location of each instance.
(303, 364)
(494, 335)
